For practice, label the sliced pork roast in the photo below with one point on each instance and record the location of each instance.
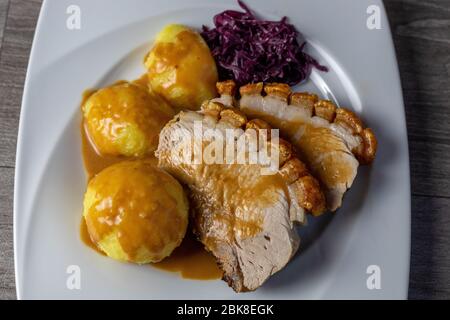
(331, 141)
(245, 218)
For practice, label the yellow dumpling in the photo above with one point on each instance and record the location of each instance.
(135, 212)
(125, 119)
(181, 68)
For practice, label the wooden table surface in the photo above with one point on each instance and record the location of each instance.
(421, 31)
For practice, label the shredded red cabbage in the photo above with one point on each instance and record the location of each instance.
(250, 50)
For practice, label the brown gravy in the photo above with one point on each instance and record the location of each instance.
(86, 238)
(190, 259)
(93, 161)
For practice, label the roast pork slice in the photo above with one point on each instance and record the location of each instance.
(332, 141)
(243, 217)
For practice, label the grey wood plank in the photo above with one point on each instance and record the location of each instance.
(430, 261)
(7, 284)
(421, 32)
(3, 12)
(6, 195)
(18, 36)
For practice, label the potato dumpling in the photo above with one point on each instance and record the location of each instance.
(135, 212)
(125, 119)
(181, 68)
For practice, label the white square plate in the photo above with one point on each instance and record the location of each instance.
(372, 228)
